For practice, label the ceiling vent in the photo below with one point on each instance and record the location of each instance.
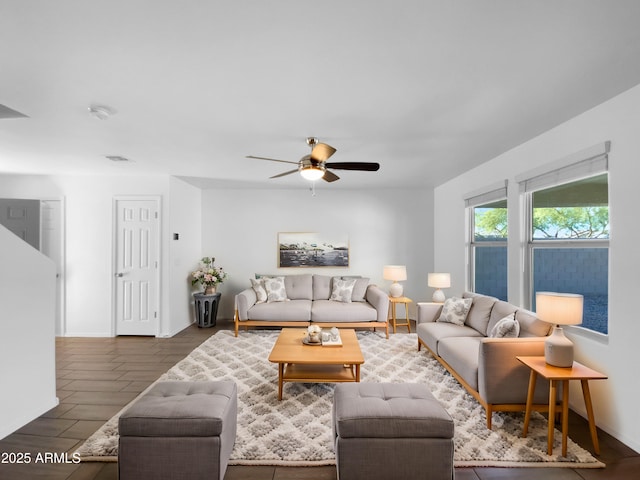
(118, 158)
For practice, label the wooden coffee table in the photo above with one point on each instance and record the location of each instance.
(302, 363)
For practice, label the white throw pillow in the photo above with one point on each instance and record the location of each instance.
(508, 327)
(342, 290)
(455, 310)
(276, 291)
(258, 287)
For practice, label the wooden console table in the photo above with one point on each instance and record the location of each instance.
(578, 371)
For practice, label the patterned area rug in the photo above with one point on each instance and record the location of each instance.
(297, 430)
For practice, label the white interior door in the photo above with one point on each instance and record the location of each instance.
(22, 217)
(52, 245)
(136, 274)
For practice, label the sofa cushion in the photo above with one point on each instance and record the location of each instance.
(293, 310)
(531, 325)
(258, 287)
(480, 311)
(299, 287)
(330, 311)
(508, 327)
(461, 353)
(275, 288)
(500, 310)
(432, 332)
(360, 290)
(342, 290)
(321, 287)
(455, 310)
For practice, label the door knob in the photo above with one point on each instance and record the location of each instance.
(119, 274)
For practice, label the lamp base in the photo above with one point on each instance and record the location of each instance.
(438, 296)
(396, 290)
(558, 349)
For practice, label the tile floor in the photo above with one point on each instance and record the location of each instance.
(98, 376)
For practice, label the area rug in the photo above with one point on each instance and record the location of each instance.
(297, 430)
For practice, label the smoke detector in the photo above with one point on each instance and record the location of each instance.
(101, 112)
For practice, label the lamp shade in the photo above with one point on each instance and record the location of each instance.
(439, 280)
(559, 308)
(312, 173)
(394, 272)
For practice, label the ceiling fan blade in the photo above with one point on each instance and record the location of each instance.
(285, 173)
(330, 176)
(364, 166)
(271, 159)
(321, 152)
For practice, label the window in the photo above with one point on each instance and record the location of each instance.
(568, 236)
(488, 242)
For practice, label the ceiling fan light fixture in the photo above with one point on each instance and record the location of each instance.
(311, 172)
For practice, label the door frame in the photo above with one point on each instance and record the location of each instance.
(61, 295)
(62, 274)
(114, 259)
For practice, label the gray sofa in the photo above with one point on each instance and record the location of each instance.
(487, 367)
(308, 301)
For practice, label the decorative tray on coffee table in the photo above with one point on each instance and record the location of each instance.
(306, 341)
(332, 343)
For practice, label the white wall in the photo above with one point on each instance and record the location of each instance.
(240, 228)
(27, 333)
(615, 399)
(185, 218)
(89, 241)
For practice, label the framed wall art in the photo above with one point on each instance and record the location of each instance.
(303, 249)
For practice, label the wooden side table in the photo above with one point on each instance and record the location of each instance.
(578, 371)
(393, 301)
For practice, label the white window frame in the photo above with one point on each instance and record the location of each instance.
(472, 200)
(587, 163)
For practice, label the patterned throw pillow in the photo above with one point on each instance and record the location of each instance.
(455, 310)
(276, 291)
(342, 290)
(508, 327)
(258, 287)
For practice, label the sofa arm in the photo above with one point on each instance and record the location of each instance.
(502, 379)
(244, 301)
(428, 312)
(379, 299)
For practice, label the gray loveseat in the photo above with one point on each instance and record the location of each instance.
(308, 300)
(487, 367)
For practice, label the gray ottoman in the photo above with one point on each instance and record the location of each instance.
(385, 430)
(179, 430)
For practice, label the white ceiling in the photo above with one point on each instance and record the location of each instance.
(427, 88)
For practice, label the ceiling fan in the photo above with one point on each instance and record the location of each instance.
(315, 165)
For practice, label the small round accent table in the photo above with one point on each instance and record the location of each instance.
(206, 308)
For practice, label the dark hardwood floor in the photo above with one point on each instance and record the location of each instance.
(98, 376)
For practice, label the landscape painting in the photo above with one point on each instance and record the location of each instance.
(312, 250)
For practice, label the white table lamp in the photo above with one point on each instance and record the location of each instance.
(438, 281)
(397, 273)
(559, 309)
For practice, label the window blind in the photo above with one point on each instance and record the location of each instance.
(586, 163)
(488, 195)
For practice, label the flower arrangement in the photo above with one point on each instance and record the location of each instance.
(314, 329)
(207, 274)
